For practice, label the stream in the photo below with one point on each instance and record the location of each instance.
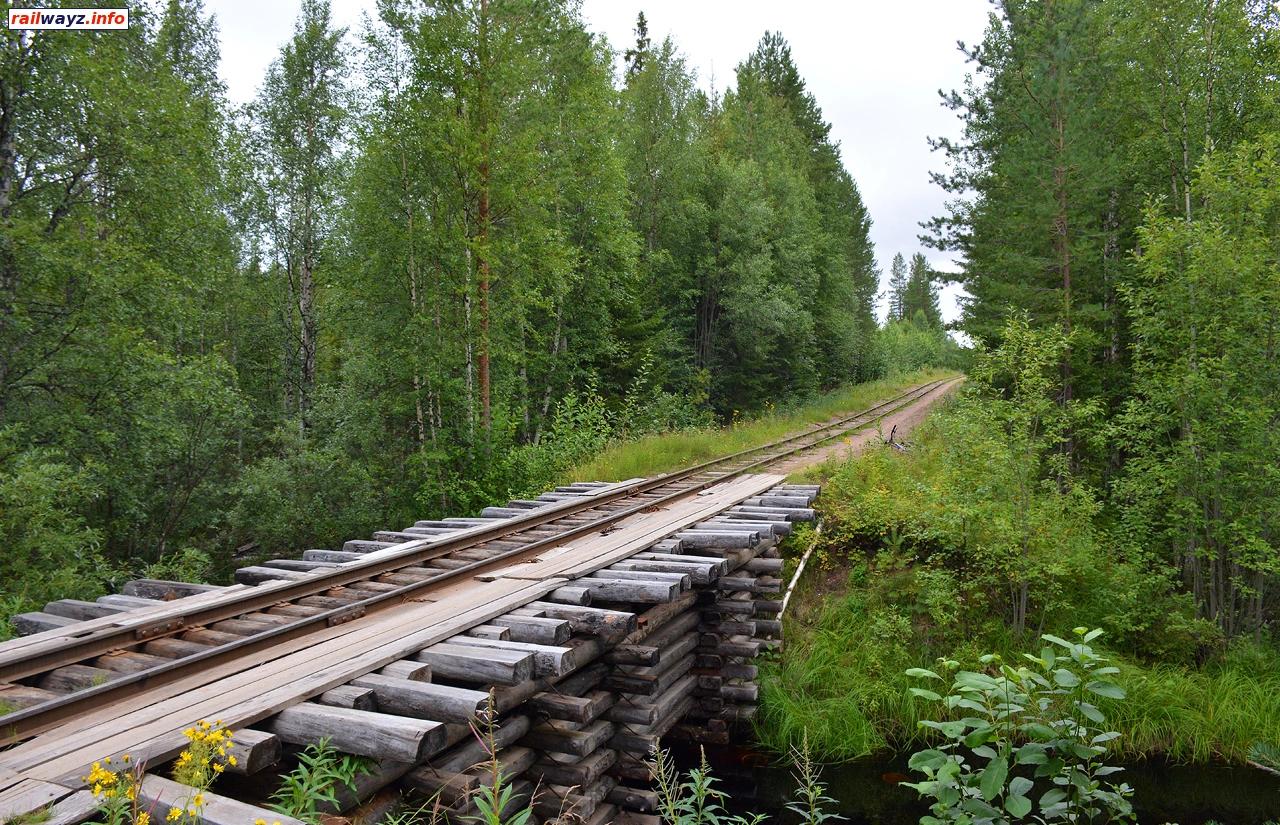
(868, 790)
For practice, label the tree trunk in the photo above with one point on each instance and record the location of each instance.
(483, 222)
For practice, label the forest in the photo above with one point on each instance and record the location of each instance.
(448, 256)
(1114, 459)
(434, 262)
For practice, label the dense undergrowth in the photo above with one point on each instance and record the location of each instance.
(965, 545)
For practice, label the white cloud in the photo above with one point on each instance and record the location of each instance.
(874, 67)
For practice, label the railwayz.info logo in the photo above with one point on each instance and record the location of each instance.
(83, 19)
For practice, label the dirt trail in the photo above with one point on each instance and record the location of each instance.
(906, 419)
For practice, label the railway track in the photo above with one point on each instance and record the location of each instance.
(124, 653)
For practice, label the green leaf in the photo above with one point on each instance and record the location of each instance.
(1032, 753)
(1049, 637)
(992, 782)
(1052, 797)
(925, 694)
(1036, 730)
(1108, 689)
(1017, 806)
(930, 758)
(1092, 712)
(921, 673)
(980, 736)
(1066, 678)
(1020, 786)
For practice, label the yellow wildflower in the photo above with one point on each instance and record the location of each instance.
(174, 814)
(144, 818)
(198, 800)
(231, 760)
(259, 821)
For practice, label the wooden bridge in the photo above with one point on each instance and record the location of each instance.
(581, 627)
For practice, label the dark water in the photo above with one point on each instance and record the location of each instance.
(868, 791)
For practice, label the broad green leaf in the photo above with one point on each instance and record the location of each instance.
(1052, 797)
(931, 758)
(1065, 678)
(993, 776)
(921, 673)
(1108, 689)
(1032, 753)
(1017, 806)
(1092, 712)
(979, 736)
(1020, 786)
(926, 694)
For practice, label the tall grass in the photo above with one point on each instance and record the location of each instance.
(840, 681)
(670, 451)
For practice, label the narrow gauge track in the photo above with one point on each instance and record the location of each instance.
(395, 576)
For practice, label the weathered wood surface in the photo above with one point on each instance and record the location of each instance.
(248, 690)
(160, 794)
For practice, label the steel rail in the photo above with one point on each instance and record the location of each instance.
(30, 721)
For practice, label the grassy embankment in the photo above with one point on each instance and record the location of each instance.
(670, 451)
(918, 558)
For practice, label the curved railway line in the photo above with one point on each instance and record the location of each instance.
(89, 656)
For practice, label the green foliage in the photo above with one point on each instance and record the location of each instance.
(50, 551)
(1042, 720)
(693, 801)
(906, 346)
(811, 800)
(320, 775)
(329, 311)
(1201, 492)
(946, 543)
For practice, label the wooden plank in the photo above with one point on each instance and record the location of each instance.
(160, 794)
(72, 810)
(29, 795)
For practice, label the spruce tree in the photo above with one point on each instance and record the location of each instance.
(920, 299)
(897, 288)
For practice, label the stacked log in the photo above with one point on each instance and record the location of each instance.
(569, 697)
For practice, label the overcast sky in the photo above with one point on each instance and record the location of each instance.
(875, 68)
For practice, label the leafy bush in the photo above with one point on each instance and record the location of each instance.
(321, 773)
(1039, 720)
(906, 346)
(49, 551)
